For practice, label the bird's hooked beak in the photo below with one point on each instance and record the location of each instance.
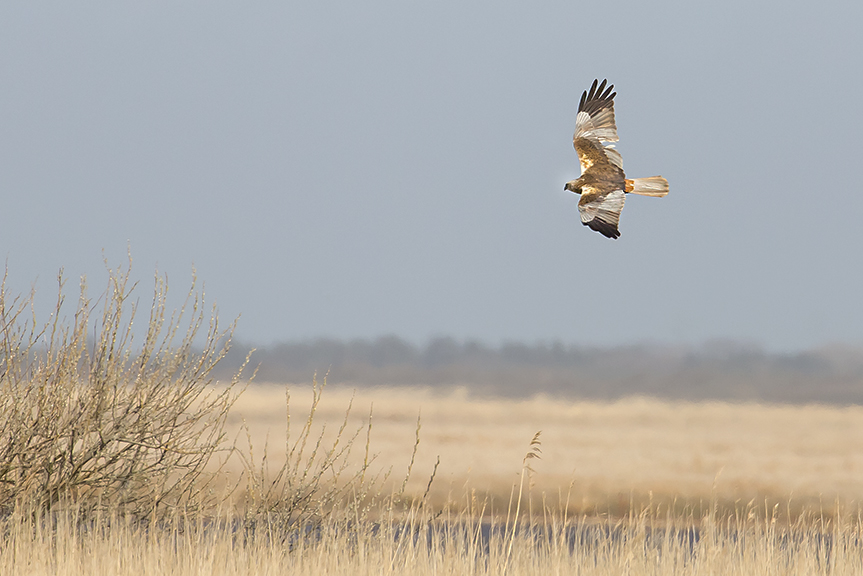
(569, 187)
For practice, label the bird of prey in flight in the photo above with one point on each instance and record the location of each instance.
(602, 184)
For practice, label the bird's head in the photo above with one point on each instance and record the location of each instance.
(572, 187)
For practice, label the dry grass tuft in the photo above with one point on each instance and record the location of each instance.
(317, 478)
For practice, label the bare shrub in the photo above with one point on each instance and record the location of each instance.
(89, 414)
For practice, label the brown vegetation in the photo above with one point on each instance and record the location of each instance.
(604, 457)
(116, 459)
(92, 415)
(104, 415)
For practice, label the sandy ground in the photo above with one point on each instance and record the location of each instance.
(602, 454)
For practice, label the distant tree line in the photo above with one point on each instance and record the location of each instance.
(719, 370)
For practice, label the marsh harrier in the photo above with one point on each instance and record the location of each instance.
(602, 184)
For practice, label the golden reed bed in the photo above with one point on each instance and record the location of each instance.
(603, 456)
(608, 457)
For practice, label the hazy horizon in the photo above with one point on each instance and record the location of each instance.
(719, 371)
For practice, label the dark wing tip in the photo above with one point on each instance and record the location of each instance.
(604, 228)
(601, 85)
(597, 98)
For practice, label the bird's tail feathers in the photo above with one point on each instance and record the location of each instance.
(653, 186)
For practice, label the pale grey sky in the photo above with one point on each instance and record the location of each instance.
(354, 169)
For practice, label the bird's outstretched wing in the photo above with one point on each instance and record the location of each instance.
(595, 125)
(601, 211)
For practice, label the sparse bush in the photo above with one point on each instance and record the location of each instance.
(91, 415)
(319, 479)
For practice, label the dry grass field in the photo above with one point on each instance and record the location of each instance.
(621, 463)
(603, 455)
(119, 456)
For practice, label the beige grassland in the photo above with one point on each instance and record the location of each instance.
(604, 451)
(603, 457)
(104, 448)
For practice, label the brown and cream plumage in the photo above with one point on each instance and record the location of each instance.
(602, 184)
